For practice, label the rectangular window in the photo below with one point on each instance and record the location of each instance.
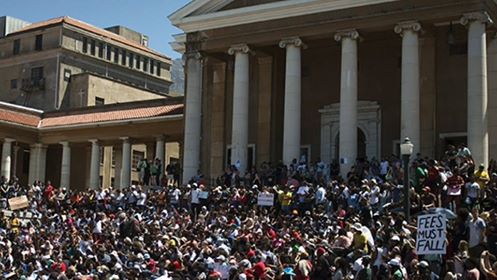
(92, 47)
(17, 46)
(145, 64)
(13, 84)
(158, 68)
(36, 73)
(67, 75)
(137, 156)
(123, 58)
(101, 155)
(85, 44)
(109, 53)
(37, 76)
(25, 162)
(99, 101)
(113, 157)
(101, 47)
(116, 55)
(151, 67)
(138, 62)
(39, 42)
(131, 60)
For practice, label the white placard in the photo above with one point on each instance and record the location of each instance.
(430, 238)
(265, 199)
(203, 195)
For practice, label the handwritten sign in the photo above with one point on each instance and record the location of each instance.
(19, 202)
(431, 234)
(265, 199)
(203, 195)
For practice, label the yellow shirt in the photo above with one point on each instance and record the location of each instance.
(286, 198)
(360, 242)
(482, 178)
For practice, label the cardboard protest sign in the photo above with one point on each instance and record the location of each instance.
(203, 195)
(265, 199)
(19, 202)
(430, 237)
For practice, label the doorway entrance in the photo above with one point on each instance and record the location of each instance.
(368, 130)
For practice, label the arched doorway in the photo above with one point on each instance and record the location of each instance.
(361, 145)
(369, 130)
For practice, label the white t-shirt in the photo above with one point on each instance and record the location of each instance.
(142, 198)
(472, 189)
(384, 167)
(475, 229)
(195, 199)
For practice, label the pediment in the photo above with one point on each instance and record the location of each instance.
(199, 15)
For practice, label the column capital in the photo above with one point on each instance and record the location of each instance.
(125, 139)
(403, 26)
(193, 54)
(93, 141)
(64, 143)
(350, 33)
(482, 17)
(37, 145)
(8, 140)
(160, 138)
(243, 48)
(295, 41)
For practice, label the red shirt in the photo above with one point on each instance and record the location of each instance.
(260, 270)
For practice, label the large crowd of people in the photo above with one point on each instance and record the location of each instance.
(318, 225)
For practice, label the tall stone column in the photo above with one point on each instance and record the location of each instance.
(410, 118)
(160, 152)
(37, 162)
(239, 133)
(94, 165)
(193, 115)
(477, 85)
(348, 100)
(126, 163)
(7, 158)
(65, 168)
(118, 161)
(291, 123)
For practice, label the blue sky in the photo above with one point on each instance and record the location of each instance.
(145, 16)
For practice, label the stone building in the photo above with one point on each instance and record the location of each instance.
(272, 80)
(106, 88)
(66, 63)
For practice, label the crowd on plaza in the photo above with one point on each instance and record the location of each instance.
(319, 227)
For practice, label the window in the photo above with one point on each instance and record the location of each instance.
(67, 75)
(137, 156)
(13, 84)
(36, 73)
(123, 57)
(92, 47)
(85, 45)
(39, 42)
(17, 46)
(145, 64)
(99, 101)
(101, 47)
(109, 53)
(158, 68)
(138, 62)
(25, 162)
(131, 60)
(116, 55)
(151, 67)
(101, 155)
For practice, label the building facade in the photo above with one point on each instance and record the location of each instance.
(108, 92)
(271, 80)
(89, 147)
(66, 63)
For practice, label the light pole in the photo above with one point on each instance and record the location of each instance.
(406, 149)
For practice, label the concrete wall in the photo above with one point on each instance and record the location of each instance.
(84, 88)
